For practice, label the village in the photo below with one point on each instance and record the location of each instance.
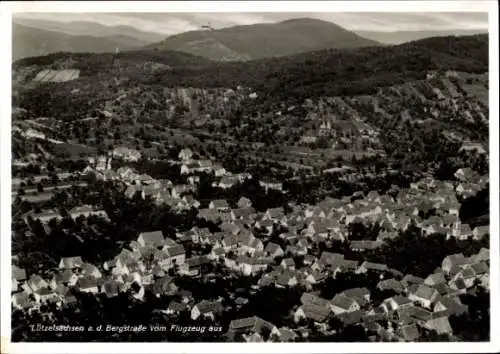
(291, 246)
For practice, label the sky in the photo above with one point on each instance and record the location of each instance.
(172, 23)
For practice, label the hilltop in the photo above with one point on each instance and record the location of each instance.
(264, 40)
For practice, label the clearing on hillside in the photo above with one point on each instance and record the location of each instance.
(57, 75)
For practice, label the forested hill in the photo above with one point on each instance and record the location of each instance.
(264, 40)
(320, 73)
(392, 90)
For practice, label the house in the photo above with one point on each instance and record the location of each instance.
(34, 283)
(45, 217)
(274, 250)
(250, 245)
(271, 185)
(463, 232)
(286, 278)
(482, 255)
(313, 307)
(71, 262)
(364, 245)
(219, 171)
(409, 333)
(362, 294)
(351, 318)
(244, 203)
(90, 270)
(180, 189)
(219, 204)
(85, 211)
(395, 303)
(452, 261)
(288, 263)
(242, 213)
(251, 325)
(435, 279)
(163, 286)
(127, 154)
(190, 167)
(111, 288)
(21, 300)
(227, 182)
(424, 295)
(391, 284)
(251, 265)
(466, 174)
(175, 307)
(185, 154)
(411, 279)
(18, 274)
(173, 255)
(451, 304)
(275, 214)
(230, 242)
(216, 254)
(230, 228)
(266, 225)
(342, 303)
(438, 322)
(152, 238)
(467, 275)
(480, 231)
(209, 215)
(88, 285)
(206, 309)
(287, 335)
(44, 295)
(189, 200)
(329, 260)
(317, 313)
(196, 265)
(366, 266)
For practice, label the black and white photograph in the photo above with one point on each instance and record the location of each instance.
(302, 175)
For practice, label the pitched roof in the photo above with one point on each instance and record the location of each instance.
(342, 301)
(436, 278)
(309, 298)
(206, 307)
(350, 318)
(71, 262)
(400, 300)
(356, 292)
(315, 312)
(365, 244)
(86, 283)
(220, 203)
(425, 292)
(412, 279)
(375, 266)
(409, 332)
(254, 324)
(276, 213)
(112, 287)
(331, 258)
(154, 238)
(480, 268)
(18, 273)
(175, 306)
(272, 247)
(391, 284)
